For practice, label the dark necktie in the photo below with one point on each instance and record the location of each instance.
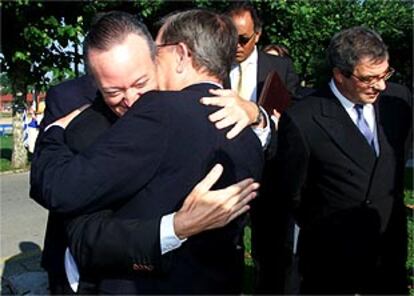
(363, 125)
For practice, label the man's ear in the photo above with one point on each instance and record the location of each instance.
(183, 57)
(257, 36)
(338, 75)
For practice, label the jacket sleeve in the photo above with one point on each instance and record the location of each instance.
(97, 242)
(113, 168)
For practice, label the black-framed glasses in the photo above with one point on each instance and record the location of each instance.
(243, 40)
(372, 80)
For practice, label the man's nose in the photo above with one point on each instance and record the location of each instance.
(380, 85)
(131, 95)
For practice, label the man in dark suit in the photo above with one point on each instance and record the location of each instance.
(259, 63)
(158, 153)
(247, 77)
(340, 160)
(202, 210)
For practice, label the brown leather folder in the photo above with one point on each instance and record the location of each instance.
(274, 94)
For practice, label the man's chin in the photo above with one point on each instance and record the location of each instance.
(240, 57)
(370, 98)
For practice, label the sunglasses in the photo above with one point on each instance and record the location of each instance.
(243, 40)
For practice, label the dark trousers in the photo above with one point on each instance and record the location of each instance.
(58, 284)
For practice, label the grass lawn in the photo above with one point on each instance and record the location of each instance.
(6, 146)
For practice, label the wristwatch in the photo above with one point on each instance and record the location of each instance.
(259, 117)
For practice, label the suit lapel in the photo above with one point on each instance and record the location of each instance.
(344, 133)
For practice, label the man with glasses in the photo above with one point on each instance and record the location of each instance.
(156, 152)
(340, 163)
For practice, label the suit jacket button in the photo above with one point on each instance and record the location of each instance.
(368, 202)
(150, 267)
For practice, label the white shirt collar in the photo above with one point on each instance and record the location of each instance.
(344, 101)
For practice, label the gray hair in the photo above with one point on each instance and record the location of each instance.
(111, 28)
(211, 38)
(349, 46)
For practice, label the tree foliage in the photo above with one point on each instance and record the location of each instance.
(306, 27)
(41, 41)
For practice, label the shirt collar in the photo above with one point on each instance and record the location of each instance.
(344, 101)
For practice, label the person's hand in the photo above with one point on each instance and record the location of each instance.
(275, 117)
(64, 121)
(236, 111)
(204, 209)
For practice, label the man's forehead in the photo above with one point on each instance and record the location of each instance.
(372, 66)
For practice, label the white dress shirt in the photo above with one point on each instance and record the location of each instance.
(250, 75)
(368, 111)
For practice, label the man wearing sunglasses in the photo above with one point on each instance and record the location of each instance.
(247, 77)
(340, 163)
(257, 63)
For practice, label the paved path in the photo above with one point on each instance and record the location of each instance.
(22, 225)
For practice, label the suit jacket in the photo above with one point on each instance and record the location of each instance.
(67, 96)
(60, 100)
(347, 201)
(93, 237)
(260, 213)
(159, 150)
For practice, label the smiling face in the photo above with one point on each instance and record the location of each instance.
(124, 72)
(245, 29)
(355, 89)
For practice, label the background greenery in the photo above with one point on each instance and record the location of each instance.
(42, 40)
(45, 37)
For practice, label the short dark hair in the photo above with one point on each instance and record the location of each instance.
(211, 38)
(239, 8)
(349, 46)
(110, 28)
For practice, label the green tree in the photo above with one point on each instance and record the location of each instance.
(306, 27)
(36, 36)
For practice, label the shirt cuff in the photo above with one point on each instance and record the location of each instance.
(264, 134)
(168, 239)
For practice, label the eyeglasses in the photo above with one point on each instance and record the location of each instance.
(243, 40)
(167, 44)
(372, 80)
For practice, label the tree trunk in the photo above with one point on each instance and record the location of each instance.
(19, 157)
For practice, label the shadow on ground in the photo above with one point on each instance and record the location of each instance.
(22, 273)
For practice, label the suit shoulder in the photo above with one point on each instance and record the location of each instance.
(305, 105)
(83, 84)
(268, 58)
(398, 91)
